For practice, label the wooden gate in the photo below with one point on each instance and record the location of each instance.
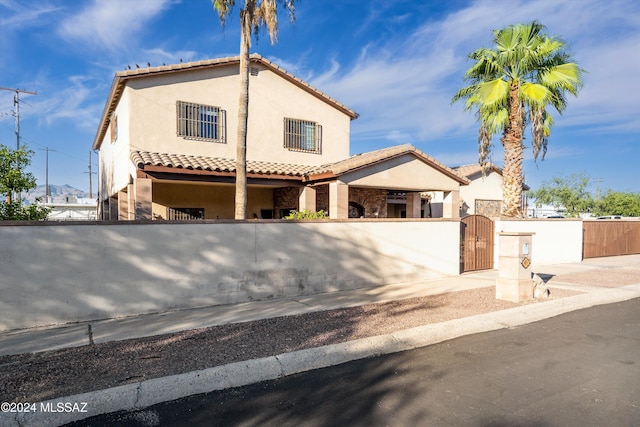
(610, 238)
(476, 243)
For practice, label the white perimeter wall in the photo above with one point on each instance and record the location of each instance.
(556, 241)
(58, 273)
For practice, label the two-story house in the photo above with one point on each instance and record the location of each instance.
(167, 144)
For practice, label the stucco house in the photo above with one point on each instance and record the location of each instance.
(167, 143)
(483, 195)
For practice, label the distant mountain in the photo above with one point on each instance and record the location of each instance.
(57, 193)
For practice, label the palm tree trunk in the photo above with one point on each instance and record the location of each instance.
(513, 156)
(243, 114)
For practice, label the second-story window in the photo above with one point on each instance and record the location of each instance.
(302, 135)
(202, 122)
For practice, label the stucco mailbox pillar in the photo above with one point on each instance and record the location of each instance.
(514, 267)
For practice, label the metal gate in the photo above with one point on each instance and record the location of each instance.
(476, 243)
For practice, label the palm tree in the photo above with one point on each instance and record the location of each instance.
(253, 15)
(511, 86)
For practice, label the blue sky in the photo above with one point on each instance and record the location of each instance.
(397, 63)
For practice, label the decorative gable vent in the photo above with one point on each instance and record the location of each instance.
(254, 71)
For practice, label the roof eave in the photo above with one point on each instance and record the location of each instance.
(117, 87)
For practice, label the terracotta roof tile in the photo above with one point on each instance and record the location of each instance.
(372, 157)
(214, 164)
(468, 171)
(475, 168)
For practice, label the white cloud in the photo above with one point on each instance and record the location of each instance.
(404, 86)
(74, 103)
(112, 24)
(20, 16)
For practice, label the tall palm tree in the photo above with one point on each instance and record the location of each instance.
(512, 85)
(253, 15)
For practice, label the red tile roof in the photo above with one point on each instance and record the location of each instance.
(305, 172)
(369, 158)
(214, 164)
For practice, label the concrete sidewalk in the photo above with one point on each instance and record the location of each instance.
(77, 334)
(145, 393)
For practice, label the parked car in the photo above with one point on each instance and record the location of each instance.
(610, 217)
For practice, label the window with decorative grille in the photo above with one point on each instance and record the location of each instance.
(302, 135)
(181, 214)
(201, 122)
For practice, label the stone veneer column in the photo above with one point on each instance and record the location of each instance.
(143, 198)
(338, 200)
(414, 204)
(307, 199)
(514, 267)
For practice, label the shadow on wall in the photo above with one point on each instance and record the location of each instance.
(58, 273)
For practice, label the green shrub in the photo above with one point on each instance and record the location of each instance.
(307, 214)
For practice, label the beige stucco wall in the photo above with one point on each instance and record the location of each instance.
(401, 173)
(146, 116)
(271, 98)
(122, 269)
(556, 241)
(216, 199)
(487, 188)
(114, 162)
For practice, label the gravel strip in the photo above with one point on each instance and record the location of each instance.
(47, 375)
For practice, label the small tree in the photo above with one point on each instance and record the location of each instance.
(14, 180)
(618, 203)
(568, 192)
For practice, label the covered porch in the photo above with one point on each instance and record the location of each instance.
(395, 182)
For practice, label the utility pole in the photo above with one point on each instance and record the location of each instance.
(598, 181)
(16, 103)
(90, 181)
(46, 190)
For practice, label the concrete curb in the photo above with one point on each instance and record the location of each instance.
(150, 392)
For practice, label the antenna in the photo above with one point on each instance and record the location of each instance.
(90, 181)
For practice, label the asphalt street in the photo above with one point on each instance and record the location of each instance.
(577, 369)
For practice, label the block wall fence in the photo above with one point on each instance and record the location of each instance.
(52, 273)
(55, 273)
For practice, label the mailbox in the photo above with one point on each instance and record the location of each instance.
(514, 266)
